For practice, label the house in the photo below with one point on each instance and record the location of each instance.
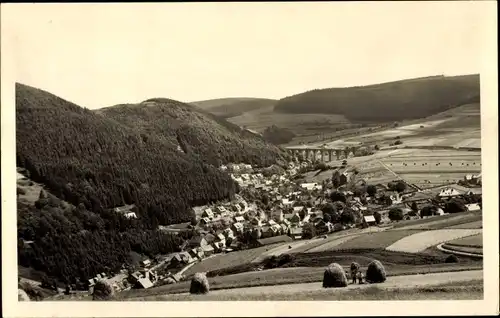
(295, 218)
(220, 238)
(197, 241)
(273, 240)
(369, 220)
(321, 226)
(345, 177)
(208, 213)
(218, 246)
(271, 222)
(297, 209)
(473, 207)
(186, 258)
(228, 233)
(237, 228)
(311, 186)
(146, 262)
(239, 218)
(144, 283)
(277, 215)
(208, 250)
(296, 233)
(208, 240)
(284, 228)
(205, 221)
(256, 221)
(448, 193)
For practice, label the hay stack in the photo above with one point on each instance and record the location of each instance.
(199, 284)
(375, 273)
(103, 290)
(451, 259)
(334, 276)
(22, 295)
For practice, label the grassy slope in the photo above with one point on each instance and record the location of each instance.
(406, 99)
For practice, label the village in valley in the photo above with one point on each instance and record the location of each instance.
(277, 205)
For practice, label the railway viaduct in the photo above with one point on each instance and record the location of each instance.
(340, 152)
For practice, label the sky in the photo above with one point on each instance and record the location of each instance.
(99, 55)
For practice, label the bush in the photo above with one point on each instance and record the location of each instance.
(375, 273)
(377, 216)
(199, 284)
(371, 190)
(396, 214)
(451, 259)
(334, 276)
(103, 290)
(22, 295)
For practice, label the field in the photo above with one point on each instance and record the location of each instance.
(472, 241)
(222, 261)
(378, 240)
(420, 241)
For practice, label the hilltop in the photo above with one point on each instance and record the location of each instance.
(233, 107)
(197, 132)
(323, 113)
(400, 100)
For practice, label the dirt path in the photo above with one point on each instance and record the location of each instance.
(392, 282)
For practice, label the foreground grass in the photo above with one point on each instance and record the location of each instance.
(469, 241)
(293, 275)
(473, 291)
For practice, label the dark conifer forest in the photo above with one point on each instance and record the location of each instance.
(160, 156)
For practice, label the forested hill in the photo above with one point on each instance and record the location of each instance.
(197, 132)
(406, 99)
(85, 157)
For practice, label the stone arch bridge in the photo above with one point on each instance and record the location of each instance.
(325, 152)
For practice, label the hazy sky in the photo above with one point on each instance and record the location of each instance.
(99, 55)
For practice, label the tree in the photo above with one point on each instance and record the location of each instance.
(377, 216)
(396, 214)
(414, 206)
(376, 147)
(338, 196)
(347, 217)
(455, 205)
(371, 190)
(428, 210)
(339, 206)
(265, 199)
(308, 231)
(327, 218)
(336, 179)
(400, 186)
(329, 209)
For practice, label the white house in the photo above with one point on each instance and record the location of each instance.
(448, 192)
(311, 186)
(473, 207)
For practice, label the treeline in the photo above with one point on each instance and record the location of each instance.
(407, 99)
